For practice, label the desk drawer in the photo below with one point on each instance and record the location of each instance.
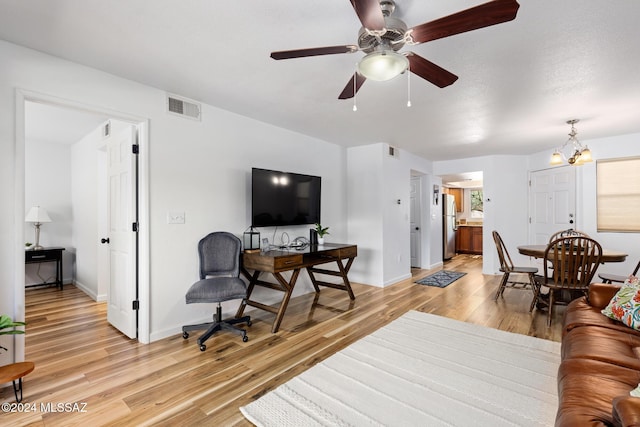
(348, 252)
(287, 262)
(40, 256)
(257, 261)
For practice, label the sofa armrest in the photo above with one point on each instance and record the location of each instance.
(601, 293)
(626, 411)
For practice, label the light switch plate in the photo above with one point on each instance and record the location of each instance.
(175, 217)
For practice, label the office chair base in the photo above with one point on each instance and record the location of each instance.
(218, 325)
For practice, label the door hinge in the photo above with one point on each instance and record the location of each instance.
(135, 148)
(134, 227)
(136, 305)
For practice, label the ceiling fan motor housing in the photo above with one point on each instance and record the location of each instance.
(393, 37)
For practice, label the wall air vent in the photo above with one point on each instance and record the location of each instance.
(183, 107)
(392, 151)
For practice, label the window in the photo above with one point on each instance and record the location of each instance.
(477, 210)
(618, 194)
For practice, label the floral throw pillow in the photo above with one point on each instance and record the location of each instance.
(625, 305)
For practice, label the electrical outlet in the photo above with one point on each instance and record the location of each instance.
(175, 217)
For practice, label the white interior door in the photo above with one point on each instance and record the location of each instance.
(121, 216)
(414, 223)
(552, 203)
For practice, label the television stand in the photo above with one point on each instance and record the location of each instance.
(278, 261)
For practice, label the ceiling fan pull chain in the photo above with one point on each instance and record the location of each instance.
(409, 85)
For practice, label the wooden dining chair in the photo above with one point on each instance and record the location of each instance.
(575, 260)
(507, 268)
(610, 278)
(570, 232)
(567, 233)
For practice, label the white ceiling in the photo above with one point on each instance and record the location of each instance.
(519, 81)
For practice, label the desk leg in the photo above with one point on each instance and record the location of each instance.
(282, 285)
(342, 273)
(253, 279)
(59, 271)
(285, 299)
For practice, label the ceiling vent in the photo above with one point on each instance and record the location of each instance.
(392, 151)
(183, 107)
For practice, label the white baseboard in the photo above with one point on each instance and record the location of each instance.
(86, 290)
(397, 279)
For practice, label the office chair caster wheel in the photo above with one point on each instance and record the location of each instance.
(245, 338)
(249, 323)
(203, 347)
(185, 335)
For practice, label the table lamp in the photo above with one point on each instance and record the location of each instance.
(37, 216)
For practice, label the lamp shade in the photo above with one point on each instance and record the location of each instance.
(585, 156)
(37, 214)
(556, 158)
(383, 65)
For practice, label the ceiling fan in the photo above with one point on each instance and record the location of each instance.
(382, 36)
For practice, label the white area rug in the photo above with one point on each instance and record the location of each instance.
(422, 370)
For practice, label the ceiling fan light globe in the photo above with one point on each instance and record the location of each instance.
(382, 66)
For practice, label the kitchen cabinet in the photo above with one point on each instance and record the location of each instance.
(459, 195)
(469, 240)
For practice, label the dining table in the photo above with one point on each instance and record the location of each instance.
(537, 251)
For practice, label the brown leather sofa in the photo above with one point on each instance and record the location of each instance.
(600, 365)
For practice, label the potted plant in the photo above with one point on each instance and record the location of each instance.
(322, 231)
(8, 327)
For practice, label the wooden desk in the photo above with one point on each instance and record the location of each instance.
(53, 254)
(279, 261)
(537, 251)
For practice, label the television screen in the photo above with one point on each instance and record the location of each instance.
(283, 198)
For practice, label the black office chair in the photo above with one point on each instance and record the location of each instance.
(610, 278)
(219, 281)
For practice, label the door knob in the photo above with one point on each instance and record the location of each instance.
(104, 240)
(417, 228)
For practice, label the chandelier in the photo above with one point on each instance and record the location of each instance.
(579, 154)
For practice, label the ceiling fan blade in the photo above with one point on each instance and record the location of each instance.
(430, 71)
(369, 13)
(485, 15)
(348, 91)
(316, 51)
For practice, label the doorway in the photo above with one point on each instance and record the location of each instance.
(23, 100)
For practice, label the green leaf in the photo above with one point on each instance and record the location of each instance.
(7, 323)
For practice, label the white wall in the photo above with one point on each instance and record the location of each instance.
(365, 218)
(377, 222)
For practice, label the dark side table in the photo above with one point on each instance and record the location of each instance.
(52, 254)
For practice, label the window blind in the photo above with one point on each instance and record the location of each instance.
(618, 194)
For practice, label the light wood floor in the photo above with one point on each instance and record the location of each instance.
(80, 358)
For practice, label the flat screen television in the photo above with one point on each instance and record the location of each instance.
(284, 198)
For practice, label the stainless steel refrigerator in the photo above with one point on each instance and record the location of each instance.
(448, 226)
